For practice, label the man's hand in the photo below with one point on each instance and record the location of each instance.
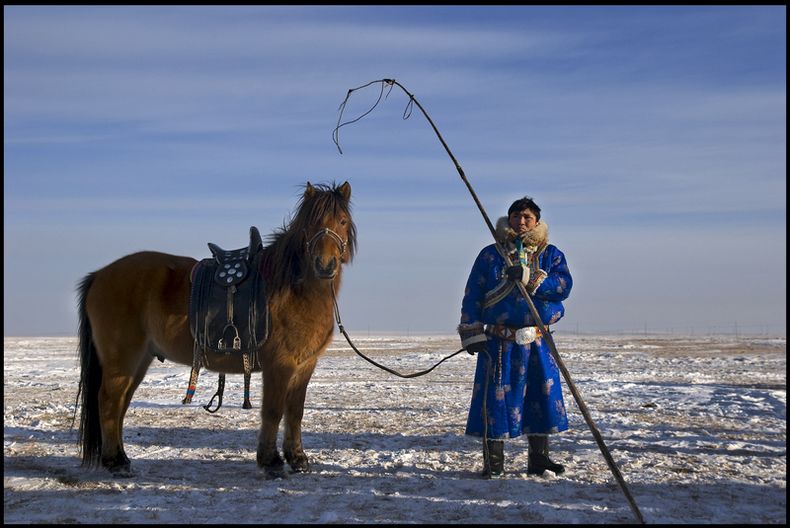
(515, 273)
(474, 348)
(518, 273)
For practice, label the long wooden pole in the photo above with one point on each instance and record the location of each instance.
(546, 335)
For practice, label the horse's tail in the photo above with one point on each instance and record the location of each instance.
(90, 380)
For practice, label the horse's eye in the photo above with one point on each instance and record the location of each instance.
(343, 222)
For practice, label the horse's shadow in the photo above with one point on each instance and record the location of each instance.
(385, 475)
(149, 438)
(148, 448)
(371, 494)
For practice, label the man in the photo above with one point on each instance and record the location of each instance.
(517, 382)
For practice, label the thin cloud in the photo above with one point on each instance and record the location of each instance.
(628, 124)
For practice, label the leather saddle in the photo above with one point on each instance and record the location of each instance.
(228, 302)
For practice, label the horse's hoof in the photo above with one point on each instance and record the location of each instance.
(300, 466)
(274, 472)
(274, 469)
(119, 467)
(271, 463)
(122, 472)
(298, 462)
(247, 405)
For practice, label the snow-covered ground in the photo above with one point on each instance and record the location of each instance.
(697, 426)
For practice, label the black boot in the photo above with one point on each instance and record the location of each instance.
(493, 459)
(539, 460)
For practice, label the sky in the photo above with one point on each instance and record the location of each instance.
(652, 137)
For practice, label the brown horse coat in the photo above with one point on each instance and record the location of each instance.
(136, 308)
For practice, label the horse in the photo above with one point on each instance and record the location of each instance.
(136, 308)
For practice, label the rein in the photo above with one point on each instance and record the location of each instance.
(363, 356)
(310, 245)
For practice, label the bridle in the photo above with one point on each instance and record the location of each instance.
(321, 233)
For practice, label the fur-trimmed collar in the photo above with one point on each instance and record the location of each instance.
(537, 237)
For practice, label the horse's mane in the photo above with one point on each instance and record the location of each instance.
(284, 258)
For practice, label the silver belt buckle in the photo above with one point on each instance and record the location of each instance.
(526, 335)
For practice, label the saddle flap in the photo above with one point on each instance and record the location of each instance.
(229, 292)
(208, 311)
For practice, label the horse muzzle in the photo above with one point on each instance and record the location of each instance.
(328, 271)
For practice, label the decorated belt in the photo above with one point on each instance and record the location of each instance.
(522, 336)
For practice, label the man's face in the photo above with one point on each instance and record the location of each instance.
(522, 221)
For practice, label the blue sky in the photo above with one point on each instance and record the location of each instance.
(652, 137)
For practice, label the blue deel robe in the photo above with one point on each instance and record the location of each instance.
(523, 383)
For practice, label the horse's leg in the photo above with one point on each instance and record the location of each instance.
(138, 378)
(294, 410)
(117, 388)
(142, 369)
(113, 393)
(275, 386)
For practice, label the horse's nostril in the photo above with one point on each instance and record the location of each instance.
(329, 268)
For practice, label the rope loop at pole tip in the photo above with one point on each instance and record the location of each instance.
(384, 83)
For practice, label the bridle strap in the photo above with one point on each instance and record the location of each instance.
(321, 233)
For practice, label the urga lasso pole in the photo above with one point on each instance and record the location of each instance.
(546, 335)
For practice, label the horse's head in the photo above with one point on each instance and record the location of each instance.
(330, 234)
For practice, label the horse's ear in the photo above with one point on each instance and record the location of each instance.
(345, 191)
(309, 190)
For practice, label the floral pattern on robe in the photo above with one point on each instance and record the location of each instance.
(524, 394)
